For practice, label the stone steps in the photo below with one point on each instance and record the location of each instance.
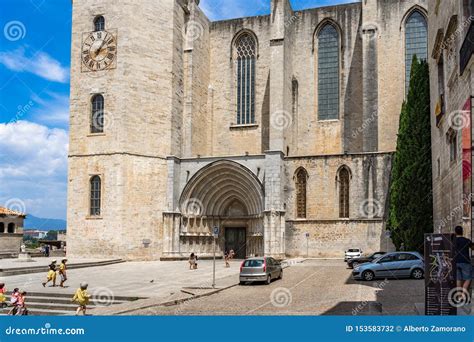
(39, 269)
(56, 304)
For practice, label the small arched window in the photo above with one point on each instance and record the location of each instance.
(95, 196)
(416, 42)
(246, 54)
(97, 114)
(11, 228)
(344, 180)
(301, 179)
(328, 73)
(99, 23)
(2, 227)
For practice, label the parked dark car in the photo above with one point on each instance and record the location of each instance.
(365, 258)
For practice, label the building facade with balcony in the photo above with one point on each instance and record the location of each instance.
(451, 44)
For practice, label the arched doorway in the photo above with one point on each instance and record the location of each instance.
(227, 195)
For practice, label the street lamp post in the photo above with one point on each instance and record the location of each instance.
(216, 235)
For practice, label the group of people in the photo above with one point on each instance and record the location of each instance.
(54, 270)
(17, 301)
(193, 258)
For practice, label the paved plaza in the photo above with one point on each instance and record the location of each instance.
(139, 279)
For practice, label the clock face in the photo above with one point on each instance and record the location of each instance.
(99, 50)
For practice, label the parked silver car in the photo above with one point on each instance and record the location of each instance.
(392, 265)
(260, 269)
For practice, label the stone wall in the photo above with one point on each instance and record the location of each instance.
(447, 174)
(11, 242)
(332, 237)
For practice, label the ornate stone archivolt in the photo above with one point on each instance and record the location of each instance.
(220, 187)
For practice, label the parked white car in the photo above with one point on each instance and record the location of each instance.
(352, 253)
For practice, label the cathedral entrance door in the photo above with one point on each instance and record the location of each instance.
(235, 238)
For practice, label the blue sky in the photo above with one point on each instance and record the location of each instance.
(34, 95)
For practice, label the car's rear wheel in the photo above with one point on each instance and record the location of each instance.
(417, 273)
(281, 275)
(368, 275)
(269, 280)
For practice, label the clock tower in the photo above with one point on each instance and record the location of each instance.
(124, 123)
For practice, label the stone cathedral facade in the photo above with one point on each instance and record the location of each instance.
(277, 129)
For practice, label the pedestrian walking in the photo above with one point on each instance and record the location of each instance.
(228, 257)
(193, 262)
(51, 276)
(21, 304)
(463, 263)
(13, 302)
(62, 272)
(81, 297)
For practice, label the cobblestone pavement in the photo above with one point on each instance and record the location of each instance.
(315, 287)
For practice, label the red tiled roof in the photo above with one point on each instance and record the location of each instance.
(8, 212)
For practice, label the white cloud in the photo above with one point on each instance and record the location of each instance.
(40, 64)
(33, 167)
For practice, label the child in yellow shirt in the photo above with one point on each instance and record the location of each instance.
(81, 297)
(51, 276)
(62, 272)
(3, 298)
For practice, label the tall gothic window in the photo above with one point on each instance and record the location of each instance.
(416, 42)
(99, 23)
(246, 52)
(301, 177)
(294, 95)
(344, 178)
(328, 73)
(95, 196)
(97, 114)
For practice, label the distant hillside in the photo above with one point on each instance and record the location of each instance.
(33, 222)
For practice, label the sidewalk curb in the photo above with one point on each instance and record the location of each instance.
(167, 303)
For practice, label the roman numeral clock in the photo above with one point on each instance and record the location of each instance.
(99, 51)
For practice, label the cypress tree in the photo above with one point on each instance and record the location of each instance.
(411, 202)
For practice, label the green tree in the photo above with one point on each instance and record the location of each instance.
(411, 202)
(51, 236)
